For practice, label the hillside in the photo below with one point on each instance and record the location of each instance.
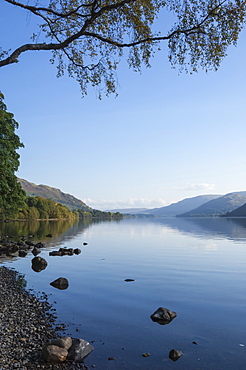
(182, 206)
(238, 212)
(129, 210)
(219, 206)
(57, 195)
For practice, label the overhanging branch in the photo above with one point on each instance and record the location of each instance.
(93, 14)
(13, 58)
(36, 10)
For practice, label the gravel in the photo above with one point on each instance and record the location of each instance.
(26, 326)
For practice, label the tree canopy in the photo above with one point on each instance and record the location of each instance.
(42, 208)
(88, 38)
(11, 194)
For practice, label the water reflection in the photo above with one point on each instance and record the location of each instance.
(55, 232)
(24, 235)
(43, 231)
(216, 227)
(187, 265)
(38, 229)
(46, 230)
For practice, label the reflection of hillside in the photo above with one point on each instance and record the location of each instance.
(66, 230)
(208, 227)
(39, 229)
(59, 229)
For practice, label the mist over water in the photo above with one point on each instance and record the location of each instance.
(195, 267)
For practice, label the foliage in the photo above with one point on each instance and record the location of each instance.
(57, 195)
(20, 280)
(94, 213)
(39, 208)
(11, 194)
(42, 208)
(88, 37)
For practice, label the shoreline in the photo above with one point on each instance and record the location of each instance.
(26, 326)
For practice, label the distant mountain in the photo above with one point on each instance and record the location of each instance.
(219, 206)
(57, 195)
(182, 206)
(129, 210)
(238, 212)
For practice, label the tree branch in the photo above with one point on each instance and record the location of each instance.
(35, 9)
(195, 29)
(91, 17)
(13, 58)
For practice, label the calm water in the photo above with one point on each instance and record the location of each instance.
(195, 267)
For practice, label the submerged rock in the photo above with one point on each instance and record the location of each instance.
(60, 283)
(66, 251)
(22, 245)
(163, 316)
(39, 264)
(174, 354)
(36, 251)
(22, 253)
(29, 243)
(55, 253)
(39, 245)
(79, 350)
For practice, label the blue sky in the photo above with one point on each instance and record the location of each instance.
(167, 136)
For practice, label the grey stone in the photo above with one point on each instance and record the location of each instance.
(60, 283)
(54, 354)
(29, 243)
(64, 342)
(66, 251)
(39, 264)
(174, 354)
(39, 245)
(163, 316)
(22, 253)
(36, 251)
(55, 253)
(79, 350)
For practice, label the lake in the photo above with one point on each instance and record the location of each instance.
(195, 267)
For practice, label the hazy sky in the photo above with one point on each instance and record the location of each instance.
(167, 136)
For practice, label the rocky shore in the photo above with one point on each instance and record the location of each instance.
(26, 326)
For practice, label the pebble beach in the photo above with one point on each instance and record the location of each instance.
(26, 326)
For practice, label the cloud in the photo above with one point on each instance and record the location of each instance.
(104, 204)
(200, 187)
